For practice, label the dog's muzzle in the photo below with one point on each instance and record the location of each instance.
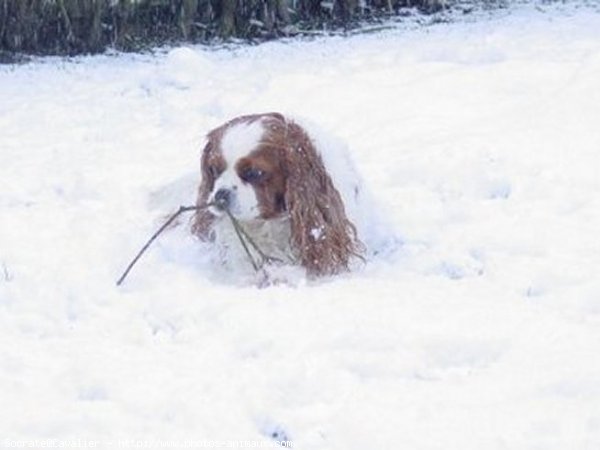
(222, 199)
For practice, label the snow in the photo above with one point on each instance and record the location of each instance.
(479, 139)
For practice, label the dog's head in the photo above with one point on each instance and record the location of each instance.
(261, 167)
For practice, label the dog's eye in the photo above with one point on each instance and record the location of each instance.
(252, 175)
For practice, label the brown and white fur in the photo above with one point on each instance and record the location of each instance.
(292, 191)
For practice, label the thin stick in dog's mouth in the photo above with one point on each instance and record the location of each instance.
(242, 235)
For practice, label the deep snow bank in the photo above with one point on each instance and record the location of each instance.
(480, 141)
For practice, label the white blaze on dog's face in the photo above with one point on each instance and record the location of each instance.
(238, 142)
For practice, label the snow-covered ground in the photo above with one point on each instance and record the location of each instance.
(481, 142)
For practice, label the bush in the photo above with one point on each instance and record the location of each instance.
(89, 26)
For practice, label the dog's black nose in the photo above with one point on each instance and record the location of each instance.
(223, 198)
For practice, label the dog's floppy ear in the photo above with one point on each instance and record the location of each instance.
(323, 237)
(203, 219)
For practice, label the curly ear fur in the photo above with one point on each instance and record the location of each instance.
(203, 219)
(323, 237)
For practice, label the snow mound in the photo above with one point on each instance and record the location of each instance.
(479, 142)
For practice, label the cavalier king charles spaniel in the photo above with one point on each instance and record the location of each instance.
(295, 192)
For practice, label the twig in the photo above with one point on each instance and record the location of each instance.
(240, 234)
(180, 211)
(66, 21)
(243, 237)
